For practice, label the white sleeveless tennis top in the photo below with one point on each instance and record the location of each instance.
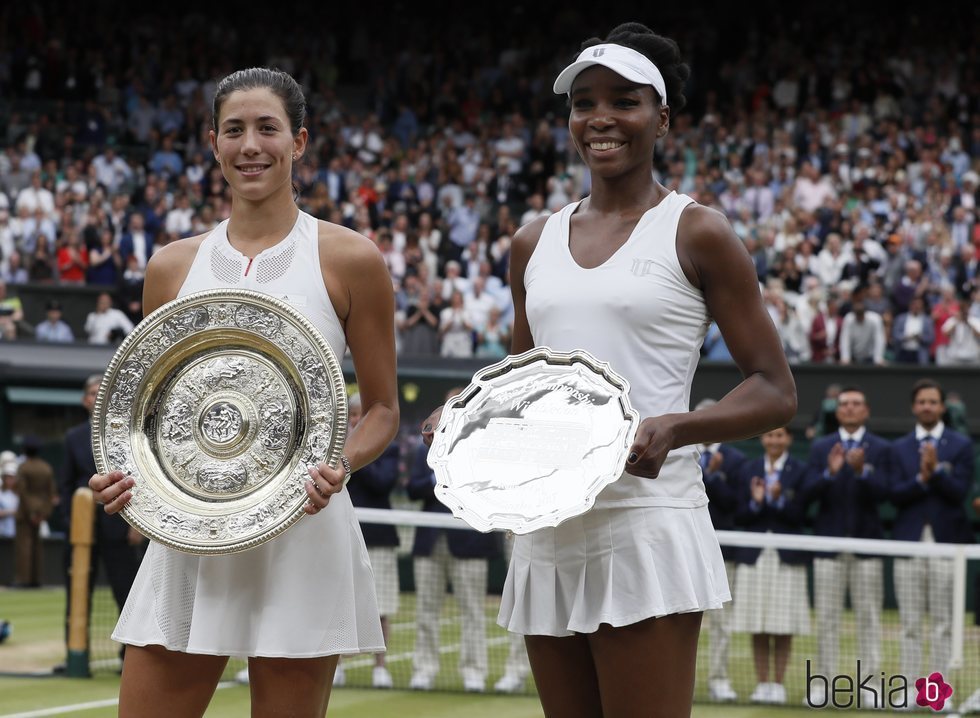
(638, 312)
(307, 592)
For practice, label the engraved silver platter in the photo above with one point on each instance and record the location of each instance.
(532, 440)
(216, 403)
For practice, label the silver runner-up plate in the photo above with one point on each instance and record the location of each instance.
(532, 440)
(216, 404)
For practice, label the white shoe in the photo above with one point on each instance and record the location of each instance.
(762, 693)
(971, 704)
(509, 683)
(777, 694)
(474, 684)
(721, 691)
(242, 677)
(380, 678)
(420, 682)
(339, 677)
(816, 697)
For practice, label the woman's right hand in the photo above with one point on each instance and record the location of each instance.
(112, 490)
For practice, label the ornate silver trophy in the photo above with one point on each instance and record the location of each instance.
(532, 440)
(216, 404)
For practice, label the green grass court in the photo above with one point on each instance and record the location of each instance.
(37, 644)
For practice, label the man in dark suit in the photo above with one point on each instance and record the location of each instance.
(460, 556)
(847, 476)
(932, 476)
(720, 465)
(116, 542)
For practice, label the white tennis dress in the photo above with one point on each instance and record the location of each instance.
(308, 592)
(647, 548)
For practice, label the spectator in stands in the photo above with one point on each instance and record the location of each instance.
(72, 259)
(913, 334)
(962, 333)
(929, 484)
(455, 329)
(457, 556)
(136, 242)
(720, 467)
(37, 496)
(862, 336)
(848, 479)
(104, 261)
(11, 313)
(15, 273)
(53, 328)
(771, 599)
(493, 338)
(371, 487)
(106, 325)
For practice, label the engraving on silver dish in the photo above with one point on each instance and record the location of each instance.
(216, 404)
(532, 440)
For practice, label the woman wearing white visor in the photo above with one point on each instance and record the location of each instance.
(611, 601)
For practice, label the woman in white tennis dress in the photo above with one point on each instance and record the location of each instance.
(295, 603)
(610, 602)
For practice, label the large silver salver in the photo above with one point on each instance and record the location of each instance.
(216, 404)
(532, 440)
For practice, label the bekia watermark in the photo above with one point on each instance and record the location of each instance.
(874, 690)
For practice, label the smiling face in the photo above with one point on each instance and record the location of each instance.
(615, 123)
(254, 144)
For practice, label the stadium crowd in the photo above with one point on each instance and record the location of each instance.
(845, 155)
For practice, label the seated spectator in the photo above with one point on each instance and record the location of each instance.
(106, 324)
(54, 328)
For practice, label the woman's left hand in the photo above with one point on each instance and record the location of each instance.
(325, 481)
(654, 438)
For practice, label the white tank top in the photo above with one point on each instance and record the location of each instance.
(289, 270)
(638, 312)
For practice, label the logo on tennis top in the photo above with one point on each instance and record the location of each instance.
(599, 52)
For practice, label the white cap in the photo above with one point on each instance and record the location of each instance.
(633, 65)
(8, 468)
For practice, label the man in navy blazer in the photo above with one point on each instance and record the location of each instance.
(847, 477)
(461, 557)
(933, 473)
(116, 542)
(720, 465)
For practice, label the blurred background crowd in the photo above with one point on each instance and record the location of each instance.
(843, 144)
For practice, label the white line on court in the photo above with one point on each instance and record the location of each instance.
(64, 710)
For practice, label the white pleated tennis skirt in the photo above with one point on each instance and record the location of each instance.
(771, 597)
(616, 566)
(308, 592)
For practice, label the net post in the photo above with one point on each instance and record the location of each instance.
(81, 537)
(959, 606)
